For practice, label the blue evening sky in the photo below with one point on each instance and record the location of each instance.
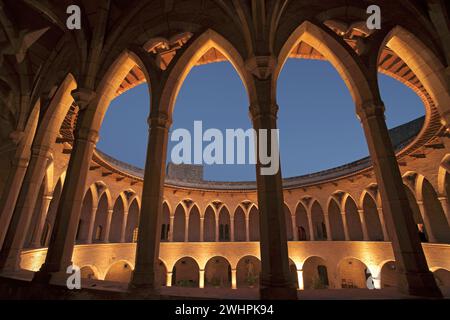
(318, 126)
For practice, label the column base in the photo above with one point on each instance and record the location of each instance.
(277, 293)
(419, 284)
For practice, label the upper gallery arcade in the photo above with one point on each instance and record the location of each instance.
(385, 217)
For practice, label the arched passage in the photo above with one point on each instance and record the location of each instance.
(442, 277)
(85, 218)
(117, 220)
(352, 273)
(224, 224)
(253, 222)
(336, 224)
(209, 228)
(239, 224)
(101, 219)
(165, 225)
(315, 274)
(302, 226)
(372, 219)
(194, 224)
(119, 271)
(185, 273)
(133, 222)
(248, 271)
(388, 275)
(288, 219)
(179, 223)
(318, 222)
(218, 273)
(353, 220)
(436, 216)
(87, 272)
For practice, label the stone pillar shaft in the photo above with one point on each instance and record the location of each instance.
(60, 249)
(202, 229)
(345, 225)
(310, 226)
(91, 225)
(383, 224)
(362, 218)
(275, 279)
(294, 228)
(414, 276)
(247, 228)
(328, 226)
(149, 237)
(123, 228)
(172, 218)
(445, 207)
(233, 279)
(10, 194)
(109, 214)
(21, 219)
(37, 234)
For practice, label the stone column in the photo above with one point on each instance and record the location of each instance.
(294, 228)
(275, 282)
(60, 249)
(247, 228)
(345, 225)
(232, 229)
(169, 279)
(147, 248)
(445, 207)
(326, 217)
(362, 218)
(233, 279)
(202, 229)
(383, 224)
(124, 226)
(186, 228)
(310, 226)
(10, 194)
(414, 275)
(426, 222)
(37, 234)
(172, 218)
(217, 228)
(301, 285)
(91, 225)
(21, 219)
(109, 214)
(201, 278)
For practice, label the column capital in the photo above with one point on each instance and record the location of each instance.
(257, 111)
(83, 96)
(85, 134)
(261, 66)
(159, 119)
(42, 151)
(371, 108)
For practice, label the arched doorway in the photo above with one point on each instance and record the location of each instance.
(87, 272)
(194, 224)
(218, 273)
(318, 222)
(353, 220)
(373, 223)
(388, 275)
(302, 226)
(165, 225)
(352, 273)
(101, 220)
(209, 229)
(117, 220)
(315, 274)
(185, 273)
(288, 219)
(133, 221)
(179, 224)
(253, 222)
(224, 224)
(119, 271)
(247, 272)
(336, 224)
(239, 224)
